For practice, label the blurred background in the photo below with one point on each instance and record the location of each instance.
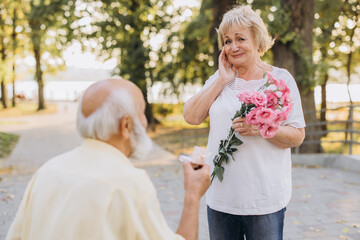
(51, 51)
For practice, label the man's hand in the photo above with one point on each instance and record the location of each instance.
(197, 181)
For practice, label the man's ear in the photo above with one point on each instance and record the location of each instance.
(126, 126)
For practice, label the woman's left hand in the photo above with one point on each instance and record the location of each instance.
(243, 128)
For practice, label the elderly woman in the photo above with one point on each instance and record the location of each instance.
(256, 187)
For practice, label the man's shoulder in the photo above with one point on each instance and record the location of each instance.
(59, 159)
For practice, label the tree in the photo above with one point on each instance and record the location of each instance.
(291, 22)
(349, 22)
(16, 12)
(48, 28)
(123, 30)
(4, 48)
(12, 42)
(186, 55)
(336, 48)
(327, 13)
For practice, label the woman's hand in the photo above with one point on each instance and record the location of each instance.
(243, 128)
(227, 71)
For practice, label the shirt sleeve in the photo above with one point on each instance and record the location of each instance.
(296, 116)
(210, 80)
(139, 218)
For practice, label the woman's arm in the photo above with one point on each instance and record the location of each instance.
(196, 109)
(286, 136)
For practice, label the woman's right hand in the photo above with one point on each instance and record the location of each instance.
(227, 71)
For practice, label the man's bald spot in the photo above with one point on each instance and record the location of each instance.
(97, 94)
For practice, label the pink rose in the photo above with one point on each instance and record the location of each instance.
(251, 117)
(281, 85)
(267, 131)
(285, 99)
(272, 79)
(286, 110)
(280, 117)
(272, 98)
(265, 115)
(259, 99)
(245, 97)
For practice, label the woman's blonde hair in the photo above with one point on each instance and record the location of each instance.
(245, 17)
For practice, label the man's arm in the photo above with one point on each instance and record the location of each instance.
(196, 183)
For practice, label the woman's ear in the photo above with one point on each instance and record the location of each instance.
(126, 126)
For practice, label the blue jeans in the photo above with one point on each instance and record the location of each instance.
(224, 226)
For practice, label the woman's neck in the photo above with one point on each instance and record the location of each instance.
(253, 71)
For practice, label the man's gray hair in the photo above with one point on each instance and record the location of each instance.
(104, 122)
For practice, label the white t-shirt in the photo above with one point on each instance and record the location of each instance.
(259, 180)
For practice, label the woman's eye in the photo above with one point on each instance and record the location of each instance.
(227, 42)
(241, 39)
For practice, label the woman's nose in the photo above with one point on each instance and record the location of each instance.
(234, 46)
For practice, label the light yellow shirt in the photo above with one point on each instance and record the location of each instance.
(91, 192)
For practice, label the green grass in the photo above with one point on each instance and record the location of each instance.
(26, 108)
(181, 140)
(174, 134)
(7, 143)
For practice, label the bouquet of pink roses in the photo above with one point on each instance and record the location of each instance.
(267, 108)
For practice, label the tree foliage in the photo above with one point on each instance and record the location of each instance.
(6, 10)
(186, 55)
(49, 30)
(123, 29)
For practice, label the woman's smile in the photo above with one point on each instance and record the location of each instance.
(238, 55)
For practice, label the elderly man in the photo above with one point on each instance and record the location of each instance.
(93, 191)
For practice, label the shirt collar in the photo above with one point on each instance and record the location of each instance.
(107, 149)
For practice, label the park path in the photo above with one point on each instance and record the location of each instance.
(325, 202)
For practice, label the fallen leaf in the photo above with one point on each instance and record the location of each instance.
(10, 196)
(340, 221)
(346, 230)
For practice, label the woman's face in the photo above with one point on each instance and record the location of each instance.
(240, 47)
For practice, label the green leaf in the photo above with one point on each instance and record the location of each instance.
(240, 113)
(231, 154)
(222, 152)
(235, 141)
(226, 158)
(233, 149)
(219, 171)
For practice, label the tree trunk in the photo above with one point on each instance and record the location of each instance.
(219, 9)
(13, 86)
(3, 93)
(13, 37)
(149, 113)
(323, 104)
(295, 60)
(348, 73)
(39, 75)
(3, 84)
